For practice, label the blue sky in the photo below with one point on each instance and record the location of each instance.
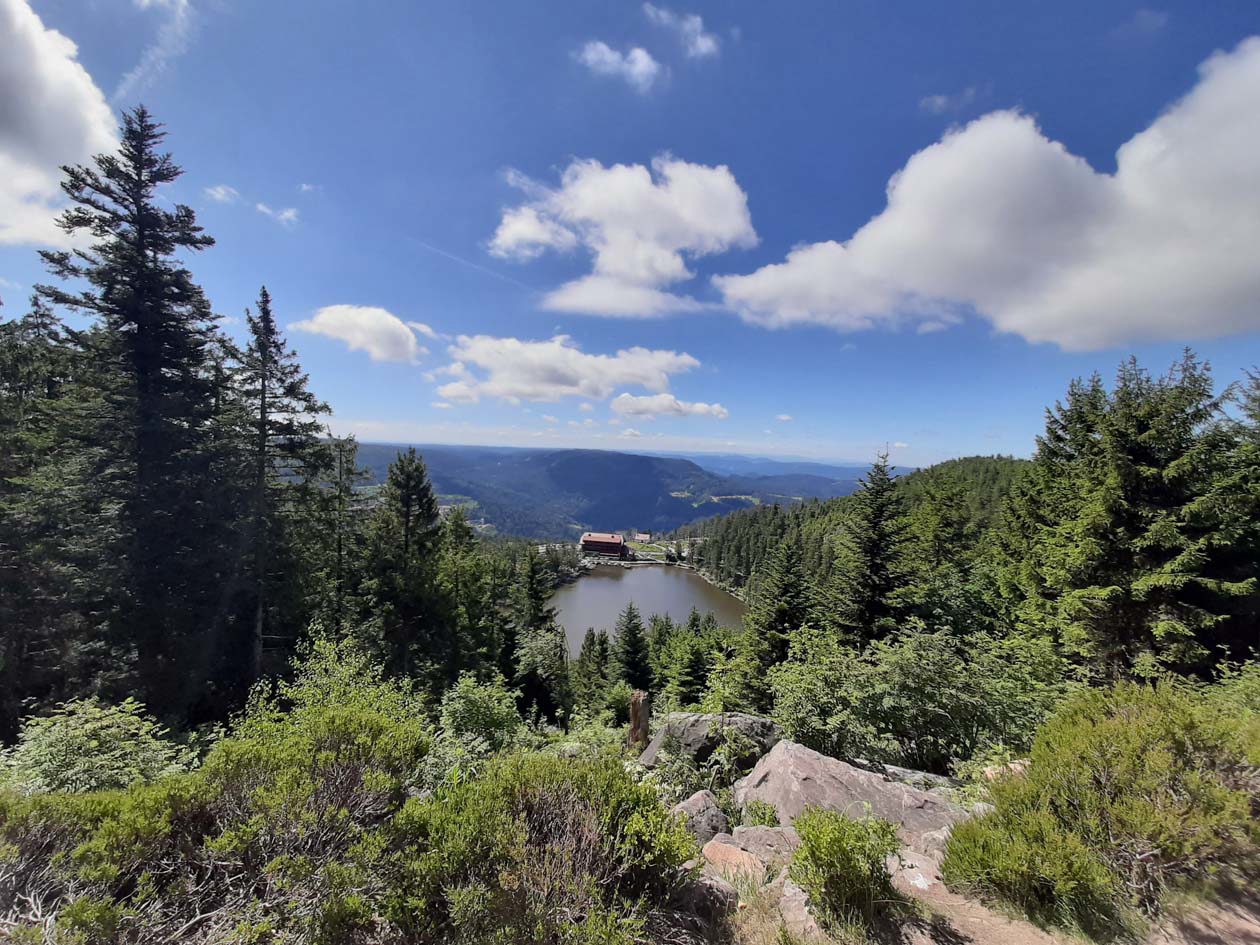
(671, 227)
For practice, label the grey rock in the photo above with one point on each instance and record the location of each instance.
(725, 860)
(792, 777)
(699, 734)
(797, 918)
(933, 842)
(774, 846)
(924, 780)
(710, 897)
(704, 818)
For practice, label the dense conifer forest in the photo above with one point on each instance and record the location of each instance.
(243, 700)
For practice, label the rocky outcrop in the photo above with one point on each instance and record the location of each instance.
(792, 777)
(704, 818)
(698, 735)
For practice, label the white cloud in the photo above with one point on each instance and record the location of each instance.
(222, 193)
(441, 405)
(665, 404)
(585, 408)
(941, 103)
(900, 446)
(172, 41)
(630, 433)
(52, 113)
(425, 330)
(784, 418)
(288, 215)
(514, 370)
(640, 225)
(637, 67)
(690, 30)
(309, 188)
(997, 218)
(382, 334)
(548, 418)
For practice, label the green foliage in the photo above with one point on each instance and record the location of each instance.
(842, 863)
(1130, 790)
(472, 709)
(532, 849)
(758, 813)
(86, 746)
(632, 657)
(919, 699)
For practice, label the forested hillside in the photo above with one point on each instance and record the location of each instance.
(240, 703)
(558, 494)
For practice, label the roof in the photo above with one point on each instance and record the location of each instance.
(602, 536)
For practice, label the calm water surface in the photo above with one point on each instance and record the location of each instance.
(595, 599)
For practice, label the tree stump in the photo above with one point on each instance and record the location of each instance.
(639, 711)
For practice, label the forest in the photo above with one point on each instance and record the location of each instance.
(244, 700)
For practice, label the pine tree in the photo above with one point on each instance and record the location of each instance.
(870, 566)
(590, 672)
(144, 432)
(633, 660)
(465, 583)
(782, 602)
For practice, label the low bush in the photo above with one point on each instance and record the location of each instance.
(842, 863)
(88, 746)
(924, 700)
(1129, 790)
(758, 813)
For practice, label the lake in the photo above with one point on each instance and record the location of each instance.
(596, 599)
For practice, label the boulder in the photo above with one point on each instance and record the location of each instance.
(725, 860)
(798, 920)
(774, 846)
(792, 777)
(698, 734)
(710, 897)
(704, 818)
(924, 780)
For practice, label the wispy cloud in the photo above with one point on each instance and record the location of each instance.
(288, 215)
(943, 103)
(690, 30)
(636, 67)
(222, 193)
(173, 38)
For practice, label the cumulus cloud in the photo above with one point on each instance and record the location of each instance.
(425, 330)
(172, 41)
(381, 333)
(690, 30)
(287, 215)
(52, 114)
(637, 67)
(640, 225)
(630, 433)
(222, 193)
(651, 406)
(784, 418)
(998, 219)
(514, 370)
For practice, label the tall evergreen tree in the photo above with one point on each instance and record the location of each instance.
(1117, 541)
(870, 566)
(633, 659)
(400, 567)
(782, 601)
(161, 572)
(288, 464)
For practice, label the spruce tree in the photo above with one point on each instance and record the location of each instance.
(400, 597)
(870, 566)
(288, 464)
(633, 660)
(782, 602)
(160, 570)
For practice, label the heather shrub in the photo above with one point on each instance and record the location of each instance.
(1130, 790)
(842, 863)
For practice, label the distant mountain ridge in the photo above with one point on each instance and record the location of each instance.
(559, 493)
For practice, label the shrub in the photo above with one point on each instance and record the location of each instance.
(532, 846)
(759, 813)
(919, 699)
(1129, 790)
(842, 863)
(87, 746)
(471, 709)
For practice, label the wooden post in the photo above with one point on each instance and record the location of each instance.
(639, 712)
